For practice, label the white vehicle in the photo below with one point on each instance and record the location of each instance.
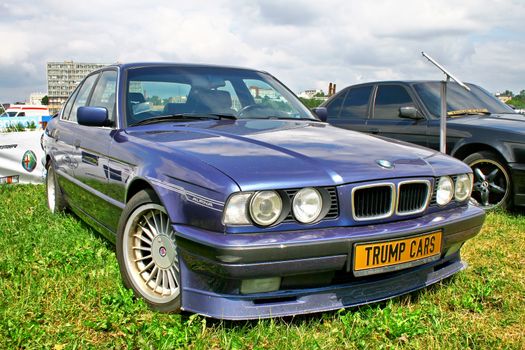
(25, 111)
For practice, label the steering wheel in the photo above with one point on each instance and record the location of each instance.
(249, 109)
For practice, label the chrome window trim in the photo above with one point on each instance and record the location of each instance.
(426, 203)
(377, 217)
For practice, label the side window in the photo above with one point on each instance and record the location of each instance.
(82, 96)
(334, 107)
(69, 104)
(389, 99)
(104, 93)
(356, 103)
(21, 114)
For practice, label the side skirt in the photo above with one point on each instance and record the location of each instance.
(102, 229)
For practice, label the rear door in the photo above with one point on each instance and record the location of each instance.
(67, 136)
(350, 108)
(386, 120)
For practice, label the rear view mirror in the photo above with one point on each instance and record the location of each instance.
(410, 112)
(93, 116)
(321, 112)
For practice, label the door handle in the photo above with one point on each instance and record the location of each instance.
(77, 143)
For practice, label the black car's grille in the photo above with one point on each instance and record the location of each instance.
(413, 197)
(373, 202)
(333, 212)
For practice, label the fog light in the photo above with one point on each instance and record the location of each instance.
(453, 249)
(260, 285)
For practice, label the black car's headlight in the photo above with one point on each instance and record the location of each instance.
(307, 205)
(463, 187)
(445, 190)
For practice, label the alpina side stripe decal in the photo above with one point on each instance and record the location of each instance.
(190, 196)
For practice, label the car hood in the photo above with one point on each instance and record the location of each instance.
(260, 154)
(508, 122)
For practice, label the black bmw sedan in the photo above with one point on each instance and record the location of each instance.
(482, 131)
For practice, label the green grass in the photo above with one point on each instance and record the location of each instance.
(60, 287)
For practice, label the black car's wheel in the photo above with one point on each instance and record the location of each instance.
(147, 253)
(492, 180)
(55, 200)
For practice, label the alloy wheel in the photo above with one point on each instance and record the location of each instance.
(491, 183)
(150, 254)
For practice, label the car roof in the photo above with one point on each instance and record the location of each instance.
(399, 82)
(132, 65)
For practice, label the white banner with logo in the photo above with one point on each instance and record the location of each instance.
(21, 157)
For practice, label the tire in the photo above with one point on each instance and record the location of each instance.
(492, 181)
(55, 199)
(147, 253)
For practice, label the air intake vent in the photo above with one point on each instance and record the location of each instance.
(413, 197)
(373, 201)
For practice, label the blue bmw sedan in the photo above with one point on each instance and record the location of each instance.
(225, 196)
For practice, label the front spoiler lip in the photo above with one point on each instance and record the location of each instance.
(234, 307)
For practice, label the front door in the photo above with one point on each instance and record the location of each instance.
(386, 120)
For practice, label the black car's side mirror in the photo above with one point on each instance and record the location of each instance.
(410, 112)
(321, 112)
(92, 116)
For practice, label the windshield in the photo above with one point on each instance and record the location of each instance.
(8, 114)
(193, 93)
(459, 100)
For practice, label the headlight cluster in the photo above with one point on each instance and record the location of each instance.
(447, 189)
(266, 208)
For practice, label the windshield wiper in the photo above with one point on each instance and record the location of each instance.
(183, 116)
(471, 111)
(273, 117)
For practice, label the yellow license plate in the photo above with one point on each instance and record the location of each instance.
(384, 256)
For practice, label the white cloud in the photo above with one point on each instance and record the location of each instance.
(306, 44)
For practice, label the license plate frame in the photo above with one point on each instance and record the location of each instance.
(363, 252)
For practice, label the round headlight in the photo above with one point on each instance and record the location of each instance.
(307, 205)
(463, 187)
(445, 190)
(266, 207)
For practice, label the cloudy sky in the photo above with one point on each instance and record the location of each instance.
(306, 44)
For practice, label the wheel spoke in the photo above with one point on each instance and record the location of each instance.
(143, 258)
(158, 280)
(497, 188)
(174, 271)
(479, 174)
(145, 268)
(173, 283)
(485, 198)
(152, 274)
(492, 175)
(152, 229)
(150, 234)
(165, 282)
(146, 249)
(143, 239)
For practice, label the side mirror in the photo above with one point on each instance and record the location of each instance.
(410, 112)
(321, 112)
(93, 116)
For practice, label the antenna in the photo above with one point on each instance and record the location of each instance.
(443, 117)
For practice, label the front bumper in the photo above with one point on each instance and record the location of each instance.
(517, 173)
(315, 266)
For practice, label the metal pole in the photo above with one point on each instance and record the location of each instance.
(443, 119)
(443, 116)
